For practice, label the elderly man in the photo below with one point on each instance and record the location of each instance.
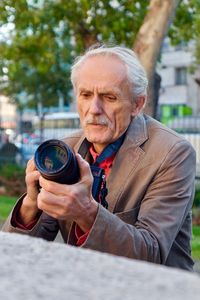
(150, 172)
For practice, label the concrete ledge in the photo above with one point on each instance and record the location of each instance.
(33, 269)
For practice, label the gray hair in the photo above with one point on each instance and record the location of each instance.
(135, 72)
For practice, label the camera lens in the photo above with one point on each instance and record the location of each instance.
(56, 161)
(53, 158)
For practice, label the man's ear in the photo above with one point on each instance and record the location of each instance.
(138, 105)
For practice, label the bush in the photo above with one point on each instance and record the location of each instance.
(12, 179)
(196, 206)
(197, 196)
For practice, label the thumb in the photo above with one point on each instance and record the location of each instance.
(84, 167)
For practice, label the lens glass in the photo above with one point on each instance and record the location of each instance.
(53, 158)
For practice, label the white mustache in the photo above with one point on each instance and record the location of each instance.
(96, 121)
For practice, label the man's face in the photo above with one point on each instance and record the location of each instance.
(104, 101)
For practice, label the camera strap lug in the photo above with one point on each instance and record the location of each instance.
(103, 193)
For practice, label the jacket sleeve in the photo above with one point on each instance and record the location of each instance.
(46, 227)
(163, 210)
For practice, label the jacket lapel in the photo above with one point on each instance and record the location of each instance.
(82, 147)
(126, 160)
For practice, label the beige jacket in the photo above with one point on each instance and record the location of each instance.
(150, 194)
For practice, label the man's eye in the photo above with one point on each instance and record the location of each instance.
(85, 95)
(110, 97)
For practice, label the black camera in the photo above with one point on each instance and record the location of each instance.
(55, 161)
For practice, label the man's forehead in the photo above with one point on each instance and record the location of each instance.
(101, 64)
(100, 88)
(102, 72)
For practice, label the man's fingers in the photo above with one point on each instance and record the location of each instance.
(30, 165)
(49, 199)
(54, 187)
(85, 172)
(32, 177)
(65, 189)
(54, 205)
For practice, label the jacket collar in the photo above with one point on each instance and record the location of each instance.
(137, 131)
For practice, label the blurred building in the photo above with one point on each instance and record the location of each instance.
(180, 90)
(179, 99)
(7, 113)
(7, 117)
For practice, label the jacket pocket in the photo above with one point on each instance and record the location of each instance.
(129, 216)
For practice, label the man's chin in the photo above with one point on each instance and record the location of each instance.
(96, 139)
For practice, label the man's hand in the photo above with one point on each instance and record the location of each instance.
(29, 208)
(73, 202)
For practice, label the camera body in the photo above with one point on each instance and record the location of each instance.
(55, 161)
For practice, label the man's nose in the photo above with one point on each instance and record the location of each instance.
(96, 105)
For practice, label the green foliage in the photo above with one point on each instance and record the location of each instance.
(197, 196)
(196, 242)
(37, 58)
(6, 205)
(10, 171)
(186, 25)
(183, 27)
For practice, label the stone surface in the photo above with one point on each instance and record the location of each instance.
(31, 268)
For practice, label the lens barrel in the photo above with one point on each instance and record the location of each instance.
(56, 161)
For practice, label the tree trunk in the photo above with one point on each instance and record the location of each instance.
(149, 41)
(87, 36)
(89, 40)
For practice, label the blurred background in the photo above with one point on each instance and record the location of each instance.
(38, 43)
(40, 39)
